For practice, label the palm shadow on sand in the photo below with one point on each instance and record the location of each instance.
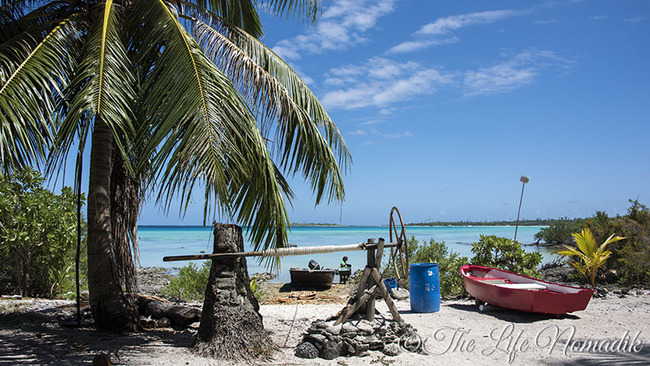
(37, 337)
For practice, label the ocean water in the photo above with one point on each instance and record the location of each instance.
(158, 241)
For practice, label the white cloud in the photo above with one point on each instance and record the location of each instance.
(410, 46)
(370, 122)
(357, 133)
(499, 78)
(383, 83)
(380, 83)
(454, 22)
(518, 71)
(398, 135)
(439, 32)
(342, 25)
(546, 21)
(635, 20)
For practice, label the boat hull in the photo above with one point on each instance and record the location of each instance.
(321, 278)
(514, 291)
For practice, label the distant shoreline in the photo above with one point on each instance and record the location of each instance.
(419, 224)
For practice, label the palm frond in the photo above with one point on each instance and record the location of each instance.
(243, 14)
(103, 86)
(305, 135)
(180, 103)
(31, 92)
(203, 132)
(303, 9)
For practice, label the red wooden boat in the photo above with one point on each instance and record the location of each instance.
(514, 291)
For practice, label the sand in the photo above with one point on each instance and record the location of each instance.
(30, 334)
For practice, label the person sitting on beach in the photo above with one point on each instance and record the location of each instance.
(344, 270)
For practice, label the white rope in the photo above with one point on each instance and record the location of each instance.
(311, 250)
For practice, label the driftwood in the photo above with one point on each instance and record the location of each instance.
(157, 308)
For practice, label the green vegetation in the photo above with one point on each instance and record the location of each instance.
(503, 253)
(559, 231)
(38, 235)
(528, 222)
(190, 282)
(256, 288)
(168, 99)
(449, 263)
(630, 258)
(590, 255)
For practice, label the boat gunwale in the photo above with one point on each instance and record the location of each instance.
(475, 279)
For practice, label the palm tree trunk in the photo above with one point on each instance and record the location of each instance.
(112, 309)
(231, 326)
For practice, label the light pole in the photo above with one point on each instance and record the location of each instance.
(524, 179)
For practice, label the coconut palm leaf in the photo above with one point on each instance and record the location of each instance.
(273, 87)
(242, 13)
(30, 93)
(102, 87)
(305, 9)
(203, 132)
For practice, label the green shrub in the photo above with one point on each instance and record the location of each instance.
(38, 236)
(449, 263)
(590, 255)
(558, 232)
(256, 288)
(190, 282)
(630, 258)
(503, 253)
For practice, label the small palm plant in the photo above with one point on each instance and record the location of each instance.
(590, 255)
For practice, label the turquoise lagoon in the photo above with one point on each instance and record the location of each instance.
(158, 241)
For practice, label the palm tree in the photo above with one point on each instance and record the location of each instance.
(172, 95)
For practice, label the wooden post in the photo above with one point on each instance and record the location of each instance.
(380, 253)
(370, 306)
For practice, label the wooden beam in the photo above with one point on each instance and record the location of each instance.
(384, 292)
(357, 304)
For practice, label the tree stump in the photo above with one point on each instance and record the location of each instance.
(231, 325)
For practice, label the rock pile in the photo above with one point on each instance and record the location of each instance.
(353, 338)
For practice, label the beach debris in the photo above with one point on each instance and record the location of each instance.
(102, 359)
(306, 350)
(399, 293)
(152, 280)
(303, 295)
(391, 349)
(264, 276)
(355, 337)
(157, 308)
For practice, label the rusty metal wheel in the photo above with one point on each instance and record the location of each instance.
(400, 254)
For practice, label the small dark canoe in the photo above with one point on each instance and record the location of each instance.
(518, 292)
(318, 278)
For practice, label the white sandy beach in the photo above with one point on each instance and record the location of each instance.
(457, 335)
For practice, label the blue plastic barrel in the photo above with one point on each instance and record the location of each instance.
(390, 283)
(424, 282)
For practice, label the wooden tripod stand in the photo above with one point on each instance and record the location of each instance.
(370, 286)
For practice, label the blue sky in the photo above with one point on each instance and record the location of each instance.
(444, 105)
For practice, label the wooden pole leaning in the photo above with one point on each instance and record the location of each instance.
(281, 252)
